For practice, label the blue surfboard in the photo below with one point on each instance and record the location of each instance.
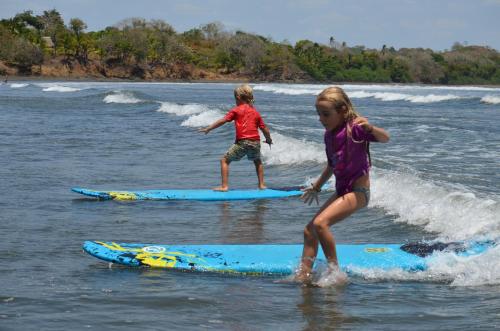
(270, 259)
(203, 195)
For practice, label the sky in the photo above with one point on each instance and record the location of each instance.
(435, 24)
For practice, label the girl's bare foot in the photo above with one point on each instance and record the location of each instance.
(332, 276)
(303, 275)
(262, 187)
(304, 278)
(221, 188)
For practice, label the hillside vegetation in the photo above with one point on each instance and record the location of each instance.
(43, 45)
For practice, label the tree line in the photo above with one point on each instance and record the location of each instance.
(141, 46)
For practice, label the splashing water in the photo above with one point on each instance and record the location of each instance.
(287, 150)
(451, 212)
(445, 267)
(331, 276)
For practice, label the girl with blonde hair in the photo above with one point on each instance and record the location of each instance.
(346, 141)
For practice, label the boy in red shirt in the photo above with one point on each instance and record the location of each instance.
(247, 121)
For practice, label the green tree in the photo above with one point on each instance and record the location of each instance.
(399, 71)
(166, 48)
(53, 26)
(25, 55)
(7, 43)
(213, 31)
(193, 36)
(77, 27)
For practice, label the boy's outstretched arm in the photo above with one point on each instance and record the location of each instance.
(214, 125)
(267, 134)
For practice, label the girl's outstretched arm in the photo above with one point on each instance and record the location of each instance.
(212, 126)
(380, 134)
(311, 193)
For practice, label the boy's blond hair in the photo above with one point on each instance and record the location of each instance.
(244, 93)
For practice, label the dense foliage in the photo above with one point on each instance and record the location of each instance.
(28, 41)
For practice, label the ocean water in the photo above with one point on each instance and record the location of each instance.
(437, 179)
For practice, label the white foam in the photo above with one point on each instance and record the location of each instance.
(290, 89)
(294, 89)
(284, 150)
(432, 98)
(182, 110)
(467, 88)
(381, 92)
(453, 213)
(199, 115)
(482, 269)
(121, 97)
(18, 85)
(390, 96)
(331, 276)
(493, 99)
(203, 119)
(446, 267)
(61, 88)
(287, 150)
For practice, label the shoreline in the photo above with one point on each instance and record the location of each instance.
(217, 81)
(100, 79)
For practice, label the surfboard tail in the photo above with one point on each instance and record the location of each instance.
(424, 249)
(91, 193)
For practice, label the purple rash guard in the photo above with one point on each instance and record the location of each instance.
(347, 156)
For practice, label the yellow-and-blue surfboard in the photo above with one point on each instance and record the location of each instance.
(202, 195)
(272, 259)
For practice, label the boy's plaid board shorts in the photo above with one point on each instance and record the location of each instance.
(250, 148)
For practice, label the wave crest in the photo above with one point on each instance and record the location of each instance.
(386, 93)
(491, 99)
(61, 88)
(181, 110)
(203, 119)
(18, 85)
(452, 213)
(286, 150)
(121, 97)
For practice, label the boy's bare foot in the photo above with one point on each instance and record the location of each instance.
(262, 187)
(221, 188)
